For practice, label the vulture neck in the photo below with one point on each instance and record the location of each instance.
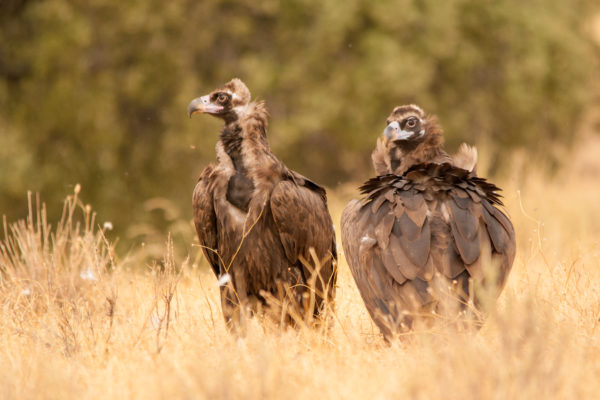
(244, 140)
(231, 138)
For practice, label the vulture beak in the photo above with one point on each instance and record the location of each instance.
(392, 132)
(203, 105)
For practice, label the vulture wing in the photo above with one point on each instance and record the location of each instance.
(205, 218)
(425, 229)
(299, 209)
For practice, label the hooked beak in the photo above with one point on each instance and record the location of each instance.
(203, 105)
(392, 132)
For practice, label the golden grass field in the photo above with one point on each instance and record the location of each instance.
(78, 323)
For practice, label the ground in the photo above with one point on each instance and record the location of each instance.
(78, 323)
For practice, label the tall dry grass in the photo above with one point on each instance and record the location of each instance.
(78, 323)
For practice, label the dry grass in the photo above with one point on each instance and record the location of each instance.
(76, 323)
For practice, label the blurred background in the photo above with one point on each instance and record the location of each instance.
(95, 92)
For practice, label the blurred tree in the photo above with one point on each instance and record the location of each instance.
(95, 92)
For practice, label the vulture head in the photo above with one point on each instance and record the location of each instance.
(408, 127)
(410, 137)
(225, 102)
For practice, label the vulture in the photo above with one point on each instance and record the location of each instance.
(428, 242)
(264, 228)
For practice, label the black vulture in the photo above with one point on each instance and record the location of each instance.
(260, 224)
(428, 238)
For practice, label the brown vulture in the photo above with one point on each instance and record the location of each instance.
(428, 242)
(260, 224)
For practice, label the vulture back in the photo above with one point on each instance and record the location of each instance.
(430, 241)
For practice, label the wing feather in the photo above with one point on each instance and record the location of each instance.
(416, 247)
(443, 250)
(496, 231)
(205, 218)
(477, 268)
(375, 204)
(403, 262)
(468, 248)
(384, 229)
(391, 265)
(464, 219)
(404, 226)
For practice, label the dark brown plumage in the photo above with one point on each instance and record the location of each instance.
(257, 220)
(428, 236)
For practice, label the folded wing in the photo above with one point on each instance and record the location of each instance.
(435, 223)
(299, 209)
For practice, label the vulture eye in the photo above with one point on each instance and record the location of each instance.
(411, 122)
(222, 97)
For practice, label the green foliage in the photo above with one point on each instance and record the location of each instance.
(95, 92)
